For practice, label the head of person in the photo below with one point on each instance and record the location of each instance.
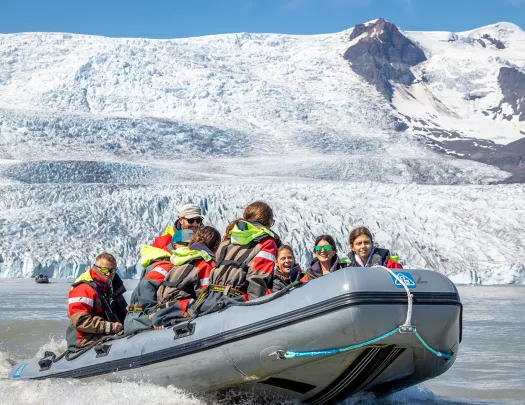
(230, 227)
(260, 212)
(361, 242)
(181, 238)
(106, 265)
(190, 217)
(208, 236)
(285, 260)
(325, 250)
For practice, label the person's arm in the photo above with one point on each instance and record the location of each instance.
(202, 279)
(261, 270)
(149, 285)
(162, 241)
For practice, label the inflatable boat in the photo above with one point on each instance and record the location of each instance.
(42, 279)
(357, 329)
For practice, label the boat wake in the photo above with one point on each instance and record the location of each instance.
(67, 391)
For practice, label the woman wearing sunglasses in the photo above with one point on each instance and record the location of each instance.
(365, 254)
(325, 259)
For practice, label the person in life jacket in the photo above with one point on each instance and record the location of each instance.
(365, 254)
(245, 259)
(190, 217)
(188, 277)
(96, 304)
(325, 259)
(286, 270)
(156, 263)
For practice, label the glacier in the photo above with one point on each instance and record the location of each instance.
(102, 139)
(472, 233)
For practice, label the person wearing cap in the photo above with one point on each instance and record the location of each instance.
(190, 217)
(96, 305)
(157, 264)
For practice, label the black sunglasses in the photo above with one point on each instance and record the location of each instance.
(194, 220)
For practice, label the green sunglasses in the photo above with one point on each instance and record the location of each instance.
(106, 270)
(327, 248)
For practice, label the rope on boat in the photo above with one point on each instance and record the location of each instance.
(405, 328)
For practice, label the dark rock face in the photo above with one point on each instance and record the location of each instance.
(384, 56)
(496, 42)
(510, 158)
(512, 83)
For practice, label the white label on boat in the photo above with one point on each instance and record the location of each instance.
(19, 370)
(406, 277)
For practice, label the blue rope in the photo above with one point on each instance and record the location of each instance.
(291, 354)
(436, 352)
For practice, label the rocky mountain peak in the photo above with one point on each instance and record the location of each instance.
(512, 84)
(383, 56)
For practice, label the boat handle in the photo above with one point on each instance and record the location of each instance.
(45, 364)
(102, 350)
(183, 329)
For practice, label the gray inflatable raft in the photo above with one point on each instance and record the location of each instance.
(317, 343)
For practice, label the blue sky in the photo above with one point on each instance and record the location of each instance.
(185, 18)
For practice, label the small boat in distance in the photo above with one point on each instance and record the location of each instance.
(42, 279)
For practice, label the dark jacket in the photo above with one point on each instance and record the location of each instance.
(378, 257)
(143, 300)
(314, 269)
(280, 282)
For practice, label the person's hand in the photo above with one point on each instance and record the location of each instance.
(116, 327)
(158, 327)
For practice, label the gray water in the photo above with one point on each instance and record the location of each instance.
(490, 368)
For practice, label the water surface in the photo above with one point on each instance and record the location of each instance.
(490, 368)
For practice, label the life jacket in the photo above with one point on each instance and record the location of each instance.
(150, 254)
(106, 300)
(235, 254)
(183, 260)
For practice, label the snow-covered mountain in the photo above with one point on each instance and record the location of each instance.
(462, 93)
(101, 139)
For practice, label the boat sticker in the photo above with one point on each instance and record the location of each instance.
(407, 278)
(19, 370)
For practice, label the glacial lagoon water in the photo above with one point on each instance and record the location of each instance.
(490, 368)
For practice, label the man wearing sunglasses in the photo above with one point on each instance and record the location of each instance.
(190, 217)
(96, 307)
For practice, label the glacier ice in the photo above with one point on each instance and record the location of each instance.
(471, 233)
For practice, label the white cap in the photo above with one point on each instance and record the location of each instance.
(190, 211)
